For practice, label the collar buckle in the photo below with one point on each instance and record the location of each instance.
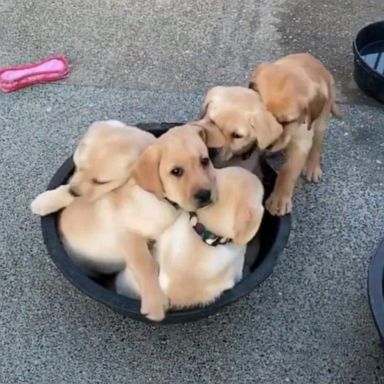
(206, 235)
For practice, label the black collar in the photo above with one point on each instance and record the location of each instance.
(246, 154)
(174, 205)
(206, 235)
(213, 152)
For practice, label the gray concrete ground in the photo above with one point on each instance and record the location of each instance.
(153, 60)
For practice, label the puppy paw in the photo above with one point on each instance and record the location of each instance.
(155, 307)
(278, 205)
(42, 205)
(52, 201)
(312, 172)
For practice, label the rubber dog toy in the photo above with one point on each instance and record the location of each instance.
(49, 69)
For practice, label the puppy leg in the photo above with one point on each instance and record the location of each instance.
(279, 202)
(52, 201)
(312, 169)
(144, 267)
(126, 284)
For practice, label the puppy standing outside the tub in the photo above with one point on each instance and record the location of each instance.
(110, 218)
(202, 254)
(300, 92)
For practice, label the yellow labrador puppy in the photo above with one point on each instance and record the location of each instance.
(202, 254)
(300, 92)
(110, 218)
(103, 224)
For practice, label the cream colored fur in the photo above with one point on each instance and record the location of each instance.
(107, 224)
(192, 272)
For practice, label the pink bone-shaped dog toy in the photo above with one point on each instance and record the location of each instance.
(49, 69)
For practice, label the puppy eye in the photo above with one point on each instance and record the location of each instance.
(177, 171)
(235, 135)
(204, 162)
(99, 182)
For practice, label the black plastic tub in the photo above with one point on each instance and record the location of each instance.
(368, 50)
(273, 236)
(376, 288)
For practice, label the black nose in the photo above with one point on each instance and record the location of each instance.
(203, 196)
(213, 152)
(74, 192)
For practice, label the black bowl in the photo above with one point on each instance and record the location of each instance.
(376, 288)
(273, 236)
(368, 50)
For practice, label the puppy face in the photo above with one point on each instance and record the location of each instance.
(241, 120)
(177, 167)
(105, 158)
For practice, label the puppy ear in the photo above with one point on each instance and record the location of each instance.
(210, 134)
(285, 138)
(312, 110)
(209, 98)
(304, 117)
(204, 108)
(266, 128)
(247, 223)
(253, 85)
(255, 75)
(79, 151)
(146, 171)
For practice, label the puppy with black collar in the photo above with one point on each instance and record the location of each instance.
(202, 254)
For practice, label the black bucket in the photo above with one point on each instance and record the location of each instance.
(376, 288)
(368, 50)
(273, 237)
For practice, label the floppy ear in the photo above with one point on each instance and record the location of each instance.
(266, 128)
(146, 171)
(285, 137)
(247, 223)
(78, 154)
(252, 85)
(313, 109)
(255, 75)
(204, 108)
(304, 117)
(210, 97)
(210, 134)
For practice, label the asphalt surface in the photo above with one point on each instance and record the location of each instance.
(152, 61)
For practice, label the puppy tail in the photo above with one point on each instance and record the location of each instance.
(336, 112)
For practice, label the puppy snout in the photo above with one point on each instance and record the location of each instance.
(74, 191)
(203, 197)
